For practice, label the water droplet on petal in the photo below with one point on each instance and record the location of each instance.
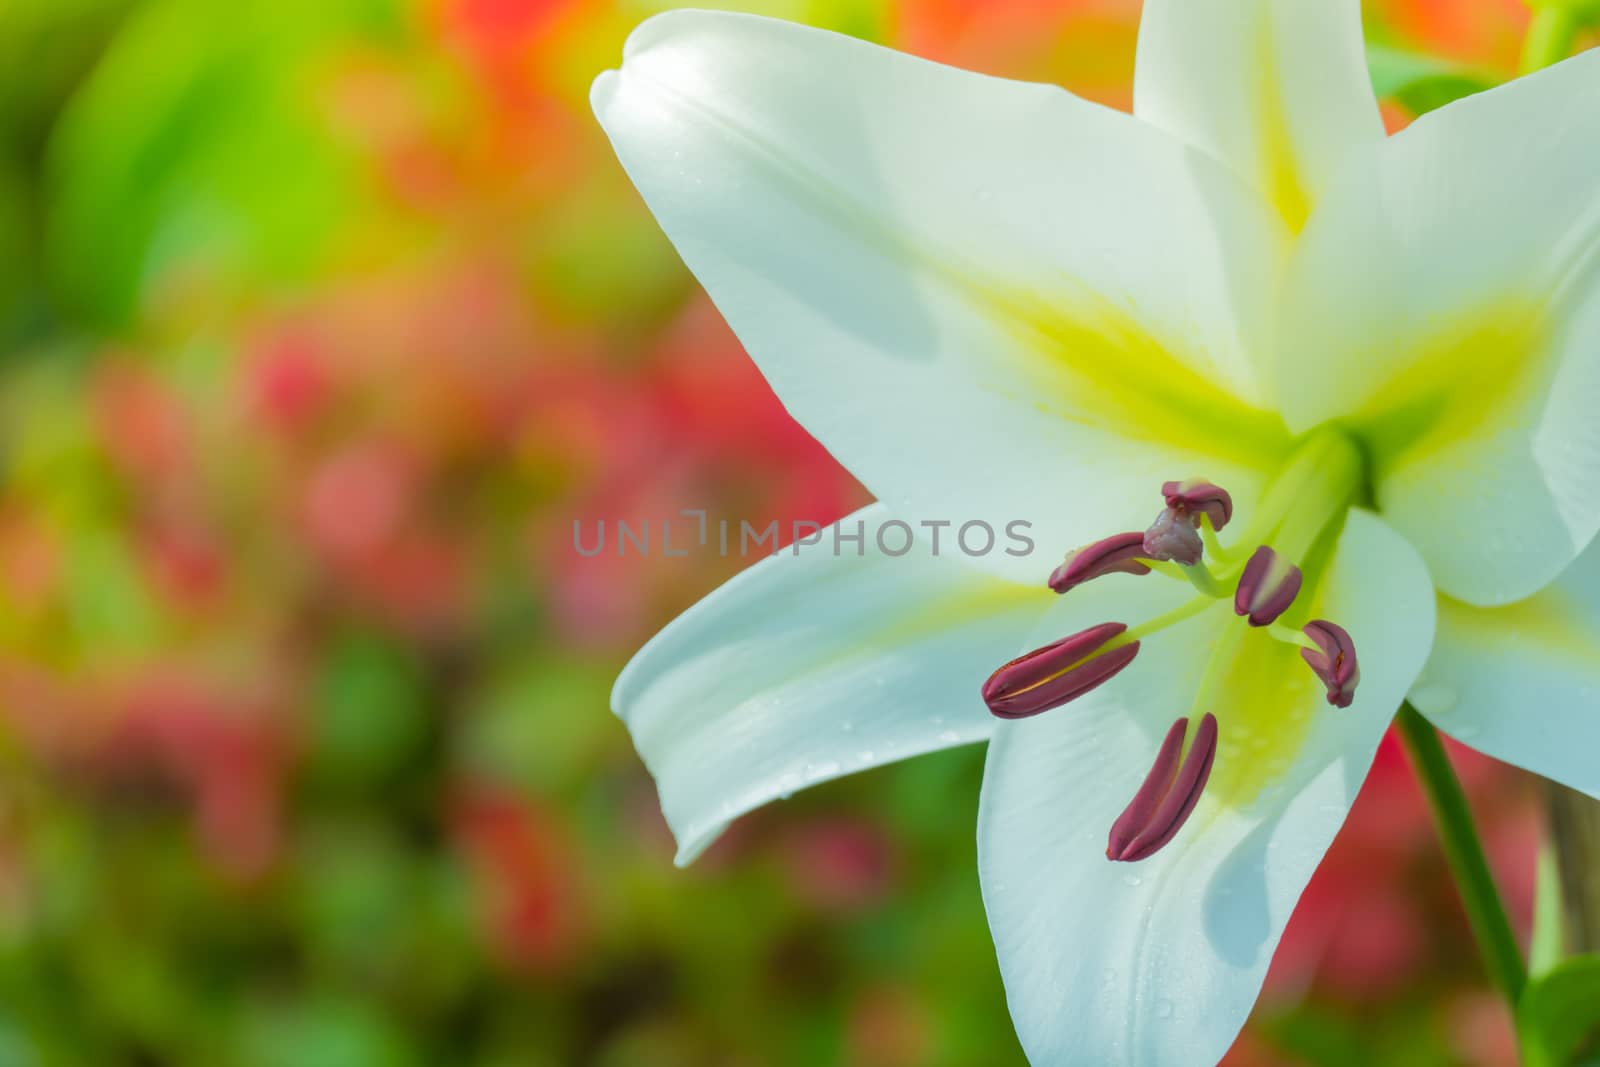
(1433, 698)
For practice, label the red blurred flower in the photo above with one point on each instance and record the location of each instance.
(527, 878)
(287, 377)
(888, 1027)
(142, 423)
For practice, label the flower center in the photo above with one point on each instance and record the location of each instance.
(1270, 573)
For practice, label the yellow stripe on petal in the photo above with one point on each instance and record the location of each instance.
(1547, 622)
(1477, 373)
(1278, 89)
(1094, 363)
(1268, 700)
(1283, 178)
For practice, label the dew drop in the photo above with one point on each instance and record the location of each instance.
(1433, 698)
(1164, 1009)
(1132, 879)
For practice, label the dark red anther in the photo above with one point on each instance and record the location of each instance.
(1168, 796)
(1267, 587)
(1119, 553)
(1335, 664)
(1059, 672)
(1196, 496)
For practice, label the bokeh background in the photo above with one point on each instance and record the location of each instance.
(320, 323)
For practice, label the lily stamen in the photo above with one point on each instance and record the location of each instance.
(1267, 587)
(1334, 660)
(1059, 672)
(1120, 553)
(1201, 499)
(1168, 795)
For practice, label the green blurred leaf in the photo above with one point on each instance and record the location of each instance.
(540, 723)
(368, 717)
(199, 147)
(325, 1032)
(1584, 11)
(1558, 1018)
(1421, 83)
(1546, 945)
(867, 19)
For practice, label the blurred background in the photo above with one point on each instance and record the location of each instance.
(320, 323)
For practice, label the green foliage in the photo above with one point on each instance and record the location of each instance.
(200, 147)
(1558, 1017)
(1421, 83)
(1582, 11)
(368, 717)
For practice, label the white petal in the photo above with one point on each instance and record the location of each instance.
(988, 299)
(1278, 89)
(1446, 303)
(1158, 963)
(1522, 682)
(812, 666)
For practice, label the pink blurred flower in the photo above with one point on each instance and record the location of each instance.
(838, 865)
(1481, 1032)
(357, 500)
(141, 422)
(287, 377)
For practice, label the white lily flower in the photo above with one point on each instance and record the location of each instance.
(995, 301)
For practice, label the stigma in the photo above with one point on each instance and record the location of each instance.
(1175, 535)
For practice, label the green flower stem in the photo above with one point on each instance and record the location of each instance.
(1487, 915)
(1549, 38)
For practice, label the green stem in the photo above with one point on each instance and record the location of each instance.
(1487, 915)
(1549, 39)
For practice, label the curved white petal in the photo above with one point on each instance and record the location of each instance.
(989, 299)
(1278, 89)
(1445, 302)
(1522, 682)
(811, 666)
(1158, 963)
